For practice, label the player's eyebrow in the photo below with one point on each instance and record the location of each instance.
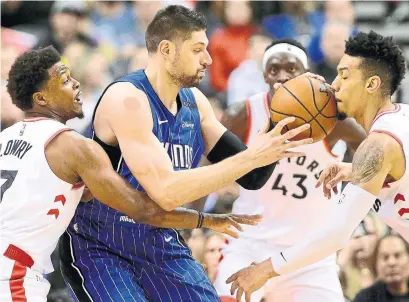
(62, 70)
(201, 43)
(343, 68)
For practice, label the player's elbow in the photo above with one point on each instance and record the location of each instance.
(164, 200)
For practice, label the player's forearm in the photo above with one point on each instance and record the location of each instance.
(179, 218)
(182, 187)
(342, 220)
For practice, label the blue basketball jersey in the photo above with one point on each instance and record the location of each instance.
(179, 135)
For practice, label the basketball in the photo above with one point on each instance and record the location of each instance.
(309, 101)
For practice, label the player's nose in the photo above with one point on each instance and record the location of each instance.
(283, 77)
(76, 84)
(207, 60)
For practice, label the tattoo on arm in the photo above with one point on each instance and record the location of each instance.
(367, 162)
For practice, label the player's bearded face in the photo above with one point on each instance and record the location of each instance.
(190, 60)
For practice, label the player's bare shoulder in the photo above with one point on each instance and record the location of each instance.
(123, 106)
(377, 152)
(66, 151)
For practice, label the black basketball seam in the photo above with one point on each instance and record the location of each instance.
(306, 109)
(315, 103)
(285, 114)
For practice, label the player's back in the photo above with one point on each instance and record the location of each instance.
(393, 202)
(289, 201)
(36, 206)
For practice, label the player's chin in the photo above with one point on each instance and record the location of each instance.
(78, 112)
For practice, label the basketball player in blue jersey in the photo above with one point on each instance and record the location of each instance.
(155, 129)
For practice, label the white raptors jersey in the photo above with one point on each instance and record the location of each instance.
(36, 206)
(393, 203)
(289, 201)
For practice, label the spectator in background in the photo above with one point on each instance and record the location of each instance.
(65, 24)
(195, 240)
(356, 259)
(248, 79)
(211, 254)
(15, 13)
(94, 79)
(229, 46)
(340, 11)
(213, 12)
(144, 11)
(113, 23)
(298, 21)
(10, 114)
(334, 35)
(392, 269)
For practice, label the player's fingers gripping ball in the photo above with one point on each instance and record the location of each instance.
(309, 101)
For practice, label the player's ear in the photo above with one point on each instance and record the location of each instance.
(166, 48)
(373, 84)
(38, 97)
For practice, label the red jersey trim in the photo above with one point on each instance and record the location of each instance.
(248, 109)
(35, 119)
(328, 148)
(55, 134)
(397, 108)
(78, 185)
(390, 134)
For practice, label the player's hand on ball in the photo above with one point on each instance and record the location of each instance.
(269, 147)
(229, 223)
(332, 176)
(250, 279)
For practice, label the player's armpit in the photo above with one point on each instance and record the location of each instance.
(89, 162)
(212, 129)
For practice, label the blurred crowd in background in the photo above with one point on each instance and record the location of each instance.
(103, 40)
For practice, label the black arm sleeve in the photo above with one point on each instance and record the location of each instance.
(229, 145)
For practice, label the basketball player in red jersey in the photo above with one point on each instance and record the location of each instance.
(289, 201)
(369, 73)
(44, 166)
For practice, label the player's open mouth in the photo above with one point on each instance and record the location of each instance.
(77, 98)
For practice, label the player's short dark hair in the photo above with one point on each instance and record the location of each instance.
(171, 23)
(287, 41)
(380, 56)
(28, 73)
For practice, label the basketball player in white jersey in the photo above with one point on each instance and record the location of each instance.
(289, 201)
(44, 169)
(368, 74)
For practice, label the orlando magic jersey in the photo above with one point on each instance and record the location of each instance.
(179, 135)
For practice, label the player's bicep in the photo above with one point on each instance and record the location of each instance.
(212, 129)
(372, 163)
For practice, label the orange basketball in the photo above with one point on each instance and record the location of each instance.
(309, 101)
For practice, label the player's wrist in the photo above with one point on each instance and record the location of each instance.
(207, 220)
(268, 269)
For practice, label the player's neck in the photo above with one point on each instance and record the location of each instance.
(398, 289)
(48, 114)
(164, 87)
(368, 116)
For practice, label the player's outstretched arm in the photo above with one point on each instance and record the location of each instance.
(85, 160)
(129, 116)
(371, 164)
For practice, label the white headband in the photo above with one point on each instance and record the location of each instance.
(286, 48)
